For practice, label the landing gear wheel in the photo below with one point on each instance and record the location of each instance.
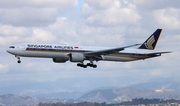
(94, 66)
(88, 64)
(84, 66)
(79, 65)
(19, 61)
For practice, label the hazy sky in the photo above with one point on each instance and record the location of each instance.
(89, 22)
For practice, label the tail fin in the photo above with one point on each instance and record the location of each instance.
(151, 42)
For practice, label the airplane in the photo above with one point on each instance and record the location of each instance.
(78, 54)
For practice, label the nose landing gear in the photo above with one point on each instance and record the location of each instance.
(19, 61)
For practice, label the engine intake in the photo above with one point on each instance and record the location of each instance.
(77, 57)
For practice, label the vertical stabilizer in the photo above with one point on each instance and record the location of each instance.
(151, 42)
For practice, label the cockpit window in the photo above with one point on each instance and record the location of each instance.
(11, 47)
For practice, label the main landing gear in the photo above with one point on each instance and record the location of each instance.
(86, 65)
(19, 61)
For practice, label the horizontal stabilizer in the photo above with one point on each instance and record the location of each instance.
(159, 53)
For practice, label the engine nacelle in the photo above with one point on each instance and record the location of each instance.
(60, 60)
(77, 57)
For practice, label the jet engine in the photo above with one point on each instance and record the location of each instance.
(77, 57)
(60, 60)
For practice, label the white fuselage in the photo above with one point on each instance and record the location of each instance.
(63, 51)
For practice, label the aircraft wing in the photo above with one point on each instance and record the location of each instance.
(107, 51)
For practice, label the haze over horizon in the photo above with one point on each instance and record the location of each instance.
(114, 23)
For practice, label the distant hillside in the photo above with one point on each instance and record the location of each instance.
(10, 99)
(163, 89)
(166, 85)
(99, 96)
(126, 94)
(14, 100)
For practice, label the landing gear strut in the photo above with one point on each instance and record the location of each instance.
(19, 61)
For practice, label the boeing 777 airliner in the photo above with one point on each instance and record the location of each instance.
(62, 53)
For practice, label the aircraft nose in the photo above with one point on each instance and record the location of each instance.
(7, 50)
(10, 49)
